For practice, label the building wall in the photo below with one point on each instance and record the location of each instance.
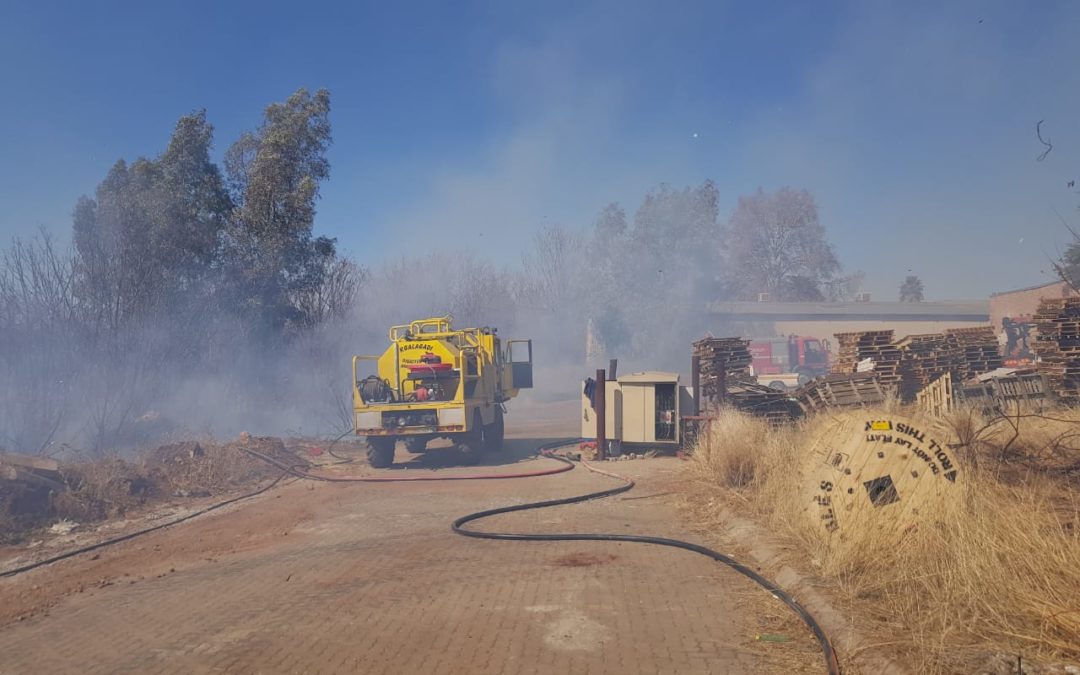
(1023, 303)
(825, 330)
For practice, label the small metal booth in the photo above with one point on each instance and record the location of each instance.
(642, 409)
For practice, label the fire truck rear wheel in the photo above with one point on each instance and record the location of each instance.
(494, 432)
(380, 453)
(472, 443)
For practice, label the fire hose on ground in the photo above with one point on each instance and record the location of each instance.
(457, 526)
(831, 662)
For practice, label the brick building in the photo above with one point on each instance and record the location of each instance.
(1011, 314)
(1022, 303)
(824, 319)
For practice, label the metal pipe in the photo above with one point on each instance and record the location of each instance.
(695, 383)
(601, 418)
(721, 382)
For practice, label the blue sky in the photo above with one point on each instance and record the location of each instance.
(913, 124)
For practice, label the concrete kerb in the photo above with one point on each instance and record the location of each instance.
(766, 552)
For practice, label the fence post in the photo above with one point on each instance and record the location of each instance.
(601, 417)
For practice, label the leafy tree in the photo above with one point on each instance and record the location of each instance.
(665, 268)
(195, 203)
(776, 245)
(151, 234)
(611, 223)
(911, 290)
(274, 176)
(679, 225)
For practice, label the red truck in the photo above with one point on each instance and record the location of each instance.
(787, 362)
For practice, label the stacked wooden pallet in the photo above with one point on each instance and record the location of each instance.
(761, 401)
(840, 391)
(978, 348)
(1058, 346)
(869, 346)
(730, 356)
(924, 359)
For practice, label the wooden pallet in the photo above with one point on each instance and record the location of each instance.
(761, 401)
(840, 391)
(937, 397)
(1021, 385)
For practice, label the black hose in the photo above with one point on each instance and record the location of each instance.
(330, 449)
(139, 533)
(831, 662)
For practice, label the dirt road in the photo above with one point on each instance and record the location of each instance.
(362, 578)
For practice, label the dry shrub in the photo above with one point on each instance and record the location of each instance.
(739, 452)
(1020, 439)
(995, 570)
(208, 468)
(104, 488)
(111, 486)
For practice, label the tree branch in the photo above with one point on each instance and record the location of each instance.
(1046, 142)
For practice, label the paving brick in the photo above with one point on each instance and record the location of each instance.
(375, 582)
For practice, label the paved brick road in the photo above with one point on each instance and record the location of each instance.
(371, 580)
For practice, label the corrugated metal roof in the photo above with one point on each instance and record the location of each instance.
(648, 376)
(1029, 288)
(960, 310)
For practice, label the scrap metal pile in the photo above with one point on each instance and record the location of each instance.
(1058, 346)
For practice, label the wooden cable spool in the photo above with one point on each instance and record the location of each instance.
(893, 471)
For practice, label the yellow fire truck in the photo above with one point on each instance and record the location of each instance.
(435, 381)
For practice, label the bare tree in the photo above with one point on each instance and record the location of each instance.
(39, 331)
(776, 245)
(548, 271)
(334, 296)
(845, 288)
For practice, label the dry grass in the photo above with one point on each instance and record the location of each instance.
(996, 569)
